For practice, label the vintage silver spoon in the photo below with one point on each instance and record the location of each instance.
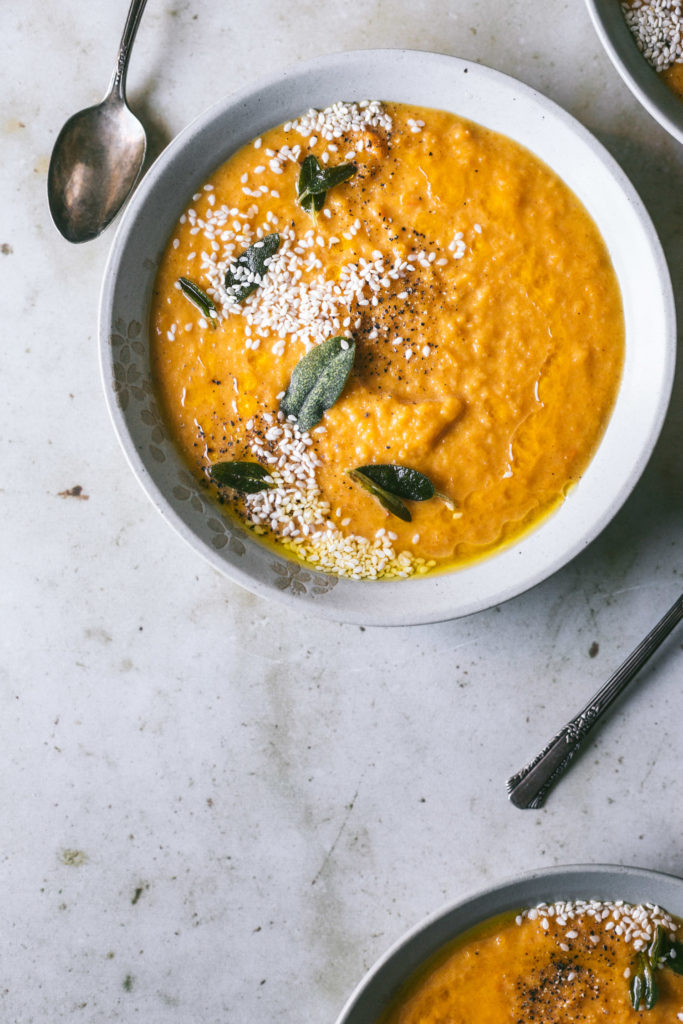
(530, 786)
(98, 154)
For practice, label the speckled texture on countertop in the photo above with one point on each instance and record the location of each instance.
(212, 810)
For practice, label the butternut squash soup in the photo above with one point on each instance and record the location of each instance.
(386, 338)
(560, 963)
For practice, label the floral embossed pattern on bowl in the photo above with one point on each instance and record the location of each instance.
(473, 92)
(136, 398)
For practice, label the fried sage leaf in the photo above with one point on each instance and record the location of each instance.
(402, 481)
(636, 990)
(313, 202)
(386, 499)
(199, 298)
(675, 963)
(643, 986)
(657, 948)
(245, 477)
(318, 380)
(247, 272)
(650, 990)
(315, 182)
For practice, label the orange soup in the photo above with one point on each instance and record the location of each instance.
(478, 325)
(561, 963)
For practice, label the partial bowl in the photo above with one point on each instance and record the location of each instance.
(639, 76)
(578, 882)
(499, 103)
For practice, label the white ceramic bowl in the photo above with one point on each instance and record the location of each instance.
(502, 104)
(639, 76)
(603, 882)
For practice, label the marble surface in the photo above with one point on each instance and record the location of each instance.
(213, 810)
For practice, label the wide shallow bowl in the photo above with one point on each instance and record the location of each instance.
(499, 103)
(602, 882)
(639, 76)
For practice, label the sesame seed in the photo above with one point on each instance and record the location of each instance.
(342, 119)
(657, 27)
(295, 512)
(634, 924)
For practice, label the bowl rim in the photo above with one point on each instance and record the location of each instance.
(383, 980)
(431, 599)
(637, 74)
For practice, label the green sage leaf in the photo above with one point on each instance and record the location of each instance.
(313, 202)
(386, 499)
(309, 168)
(636, 990)
(318, 380)
(247, 272)
(199, 298)
(658, 946)
(401, 481)
(315, 182)
(650, 990)
(245, 477)
(675, 963)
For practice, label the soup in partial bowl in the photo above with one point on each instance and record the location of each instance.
(644, 41)
(568, 945)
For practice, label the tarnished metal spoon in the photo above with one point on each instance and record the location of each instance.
(530, 786)
(98, 154)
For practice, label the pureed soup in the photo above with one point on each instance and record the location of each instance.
(561, 963)
(386, 338)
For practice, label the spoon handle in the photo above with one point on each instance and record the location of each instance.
(529, 787)
(117, 86)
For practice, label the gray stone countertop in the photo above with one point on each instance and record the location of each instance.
(213, 810)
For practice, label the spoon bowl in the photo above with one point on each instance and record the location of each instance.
(98, 154)
(94, 166)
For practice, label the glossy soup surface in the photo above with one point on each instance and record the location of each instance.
(487, 323)
(551, 969)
